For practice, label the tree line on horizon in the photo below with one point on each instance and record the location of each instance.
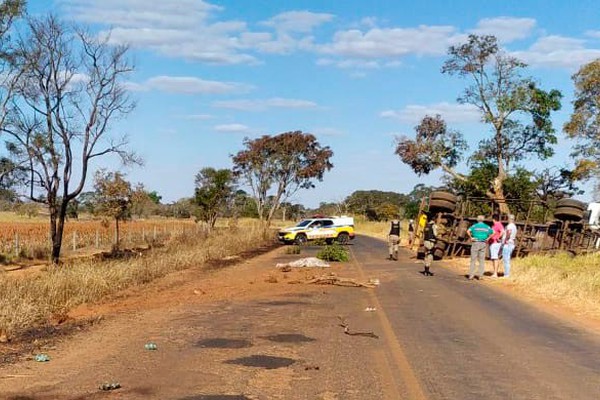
(62, 88)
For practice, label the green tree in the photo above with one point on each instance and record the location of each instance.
(214, 190)
(284, 164)
(114, 195)
(518, 112)
(584, 124)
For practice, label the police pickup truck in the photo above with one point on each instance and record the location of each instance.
(330, 229)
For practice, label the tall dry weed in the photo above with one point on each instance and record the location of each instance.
(574, 281)
(29, 301)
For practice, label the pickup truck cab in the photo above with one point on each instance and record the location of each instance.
(340, 229)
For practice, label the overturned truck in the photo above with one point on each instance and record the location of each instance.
(570, 225)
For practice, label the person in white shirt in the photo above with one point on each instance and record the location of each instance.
(508, 244)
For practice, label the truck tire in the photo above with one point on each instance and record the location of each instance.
(446, 196)
(580, 205)
(438, 254)
(301, 239)
(442, 206)
(565, 213)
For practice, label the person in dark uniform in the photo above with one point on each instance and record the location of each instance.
(394, 239)
(429, 238)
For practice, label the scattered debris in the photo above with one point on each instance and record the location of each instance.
(333, 279)
(370, 309)
(285, 268)
(110, 386)
(151, 346)
(199, 292)
(347, 330)
(271, 279)
(307, 262)
(312, 368)
(42, 358)
(374, 281)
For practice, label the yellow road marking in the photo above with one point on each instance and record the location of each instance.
(413, 386)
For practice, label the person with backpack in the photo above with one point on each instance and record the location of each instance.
(429, 238)
(394, 239)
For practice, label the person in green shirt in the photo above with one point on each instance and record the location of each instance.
(479, 233)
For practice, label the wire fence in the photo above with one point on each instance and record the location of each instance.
(32, 239)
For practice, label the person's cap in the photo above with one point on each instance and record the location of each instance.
(480, 218)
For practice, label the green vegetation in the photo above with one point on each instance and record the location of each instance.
(334, 252)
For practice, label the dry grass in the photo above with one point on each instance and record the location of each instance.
(379, 230)
(562, 278)
(29, 301)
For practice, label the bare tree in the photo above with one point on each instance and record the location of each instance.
(69, 92)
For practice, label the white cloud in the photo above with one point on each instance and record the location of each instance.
(593, 34)
(187, 85)
(263, 105)
(506, 29)
(452, 113)
(558, 52)
(189, 29)
(298, 21)
(231, 128)
(391, 42)
(199, 117)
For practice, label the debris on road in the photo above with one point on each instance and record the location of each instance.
(333, 279)
(271, 279)
(42, 358)
(151, 346)
(308, 262)
(110, 386)
(370, 309)
(374, 281)
(347, 330)
(312, 367)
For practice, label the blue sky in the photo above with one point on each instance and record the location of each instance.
(355, 73)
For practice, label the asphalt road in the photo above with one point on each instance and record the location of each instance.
(463, 340)
(440, 337)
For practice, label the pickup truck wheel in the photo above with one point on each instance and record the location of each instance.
(343, 238)
(301, 239)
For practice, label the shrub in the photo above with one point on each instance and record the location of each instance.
(334, 253)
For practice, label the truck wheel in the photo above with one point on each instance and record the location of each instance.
(446, 196)
(343, 238)
(580, 205)
(301, 239)
(442, 205)
(329, 241)
(565, 213)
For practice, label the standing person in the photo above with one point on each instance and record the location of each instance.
(429, 238)
(411, 232)
(479, 233)
(508, 244)
(496, 243)
(394, 239)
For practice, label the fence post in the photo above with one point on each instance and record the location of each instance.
(144, 234)
(74, 240)
(17, 248)
(97, 239)
(154, 234)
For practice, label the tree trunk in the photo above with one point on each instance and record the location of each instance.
(57, 226)
(117, 239)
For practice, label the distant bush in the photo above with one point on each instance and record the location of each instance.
(334, 253)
